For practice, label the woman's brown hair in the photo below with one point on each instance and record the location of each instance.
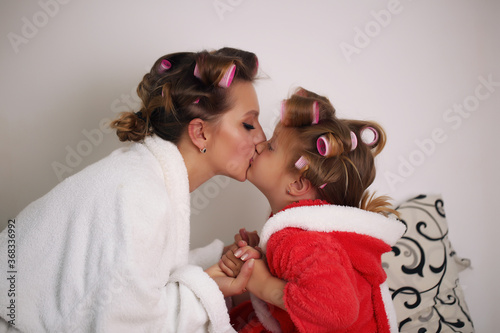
(172, 95)
(342, 174)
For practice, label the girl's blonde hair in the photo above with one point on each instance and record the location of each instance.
(345, 167)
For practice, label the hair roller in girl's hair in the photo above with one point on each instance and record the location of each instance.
(328, 146)
(323, 146)
(282, 111)
(354, 141)
(315, 113)
(302, 164)
(369, 136)
(165, 65)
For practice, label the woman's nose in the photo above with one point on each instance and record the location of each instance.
(259, 148)
(259, 136)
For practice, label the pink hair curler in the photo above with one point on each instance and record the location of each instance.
(369, 136)
(315, 113)
(165, 65)
(197, 71)
(302, 163)
(196, 101)
(323, 145)
(354, 141)
(282, 110)
(323, 186)
(256, 69)
(227, 79)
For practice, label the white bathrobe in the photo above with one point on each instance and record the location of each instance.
(107, 250)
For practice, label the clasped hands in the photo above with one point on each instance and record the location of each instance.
(236, 266)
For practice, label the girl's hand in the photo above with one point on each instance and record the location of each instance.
(230, 286)
(233, 260)
(251, 238)
(265, 286)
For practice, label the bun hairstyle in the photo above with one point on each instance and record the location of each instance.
(335, 155)
(181, 87)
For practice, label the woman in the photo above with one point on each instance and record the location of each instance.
(107, 250)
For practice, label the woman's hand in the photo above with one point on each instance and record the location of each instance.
(228, 285)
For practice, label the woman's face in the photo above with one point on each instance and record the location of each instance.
(237, 133)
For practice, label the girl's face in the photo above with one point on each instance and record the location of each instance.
(269, 171)
(237, 133)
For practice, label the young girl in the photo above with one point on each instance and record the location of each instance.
(326, 234)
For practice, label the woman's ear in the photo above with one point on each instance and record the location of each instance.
(196, 131)
(302, 188)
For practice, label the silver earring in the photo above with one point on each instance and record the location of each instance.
(203, 150)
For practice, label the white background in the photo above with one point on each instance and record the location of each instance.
(67, 66)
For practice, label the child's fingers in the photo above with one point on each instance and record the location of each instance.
(253, 238)
(232, 262)
(229, 272)
(244, 234)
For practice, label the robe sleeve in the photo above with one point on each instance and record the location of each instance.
(321, 288)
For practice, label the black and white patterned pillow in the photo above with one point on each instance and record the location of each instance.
(422, 272)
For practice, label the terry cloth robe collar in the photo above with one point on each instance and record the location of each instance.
(324, 217)
(177, 185)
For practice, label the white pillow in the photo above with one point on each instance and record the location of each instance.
(422, 271)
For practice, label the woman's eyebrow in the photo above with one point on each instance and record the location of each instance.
(254, 112)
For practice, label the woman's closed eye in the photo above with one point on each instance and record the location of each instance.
(269, 146)
(248, 126)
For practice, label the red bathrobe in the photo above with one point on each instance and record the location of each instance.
(330, 257)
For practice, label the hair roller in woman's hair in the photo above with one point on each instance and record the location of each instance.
(302, 164)
(354, 141)
(315, 113)
(197, 71)
(228, 77)
(256, 69)
(369, 136)
(165, 65)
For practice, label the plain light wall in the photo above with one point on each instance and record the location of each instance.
(420, 68)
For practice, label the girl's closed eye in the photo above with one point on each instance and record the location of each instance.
(269, 146)
(248, 126)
